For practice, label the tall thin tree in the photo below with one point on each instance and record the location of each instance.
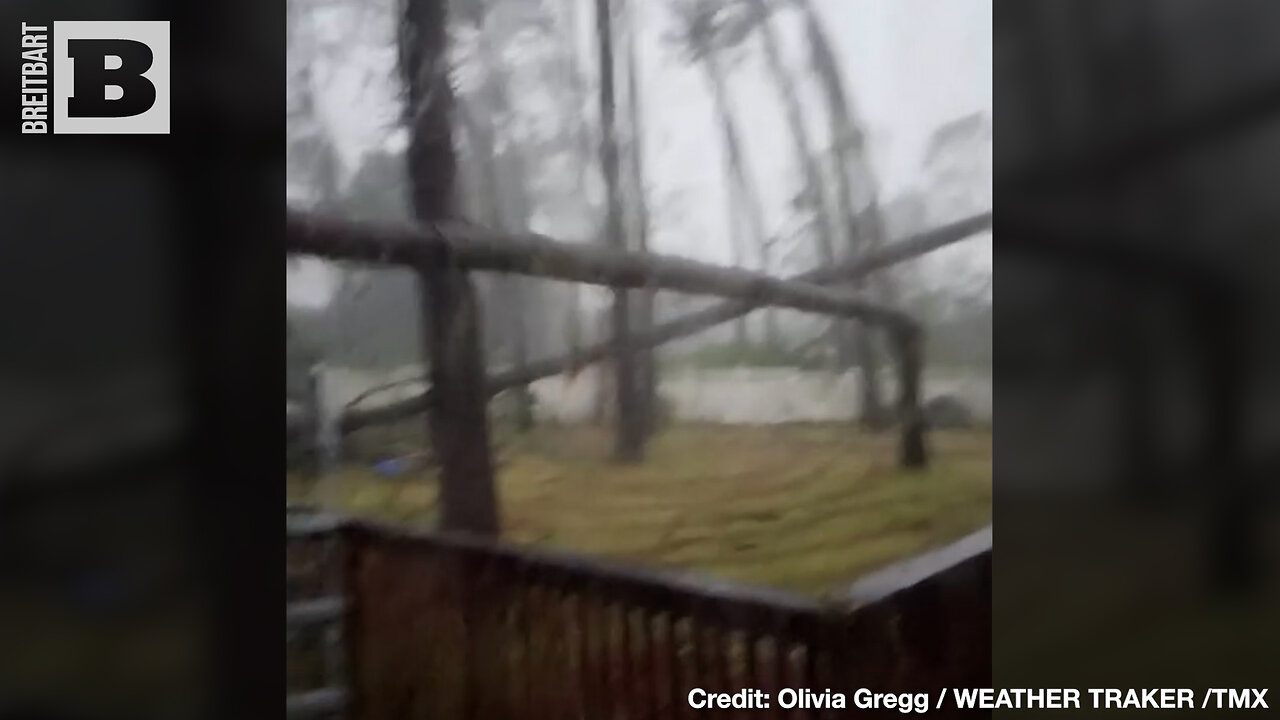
(640, 221)
(629, 440)
(505, 184)
(458, 418)
(814, 190)
(579, 134)
(702, 36)
(864, 230)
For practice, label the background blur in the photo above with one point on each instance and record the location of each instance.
(1135, 350)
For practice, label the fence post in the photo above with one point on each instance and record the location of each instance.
(909, 345)
(458, 421)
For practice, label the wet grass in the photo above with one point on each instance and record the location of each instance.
(799, 507)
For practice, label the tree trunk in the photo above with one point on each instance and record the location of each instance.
(578, 95)
(913, 453)
(457, 420)
(461, 244)
(647, 367)
(605, 408)
(580, 147)
(848, 144)
(518, 290)
(741, 339)
(744, 199)
(629, 444)
(503, 199)
(811, 175)
(510, 205)
(873, 414)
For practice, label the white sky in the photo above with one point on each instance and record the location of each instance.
(909, 65)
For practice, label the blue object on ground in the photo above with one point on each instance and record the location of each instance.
(392, 467)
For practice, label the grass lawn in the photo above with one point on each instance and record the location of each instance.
(800, 507)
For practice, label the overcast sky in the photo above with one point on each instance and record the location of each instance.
(910, 66)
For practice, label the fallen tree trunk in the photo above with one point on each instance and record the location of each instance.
(901, 251)
(464, 246)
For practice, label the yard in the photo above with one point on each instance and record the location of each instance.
(798, 507)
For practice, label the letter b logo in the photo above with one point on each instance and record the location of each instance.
(111, 77)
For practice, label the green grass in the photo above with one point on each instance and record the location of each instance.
(801, 507)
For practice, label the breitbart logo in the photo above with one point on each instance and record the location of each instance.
(95, 78)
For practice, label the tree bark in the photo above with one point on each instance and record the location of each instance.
(457, 419)
(629, 439)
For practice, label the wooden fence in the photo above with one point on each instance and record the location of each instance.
(442, 625)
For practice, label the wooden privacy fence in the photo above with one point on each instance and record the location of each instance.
(449, 626)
